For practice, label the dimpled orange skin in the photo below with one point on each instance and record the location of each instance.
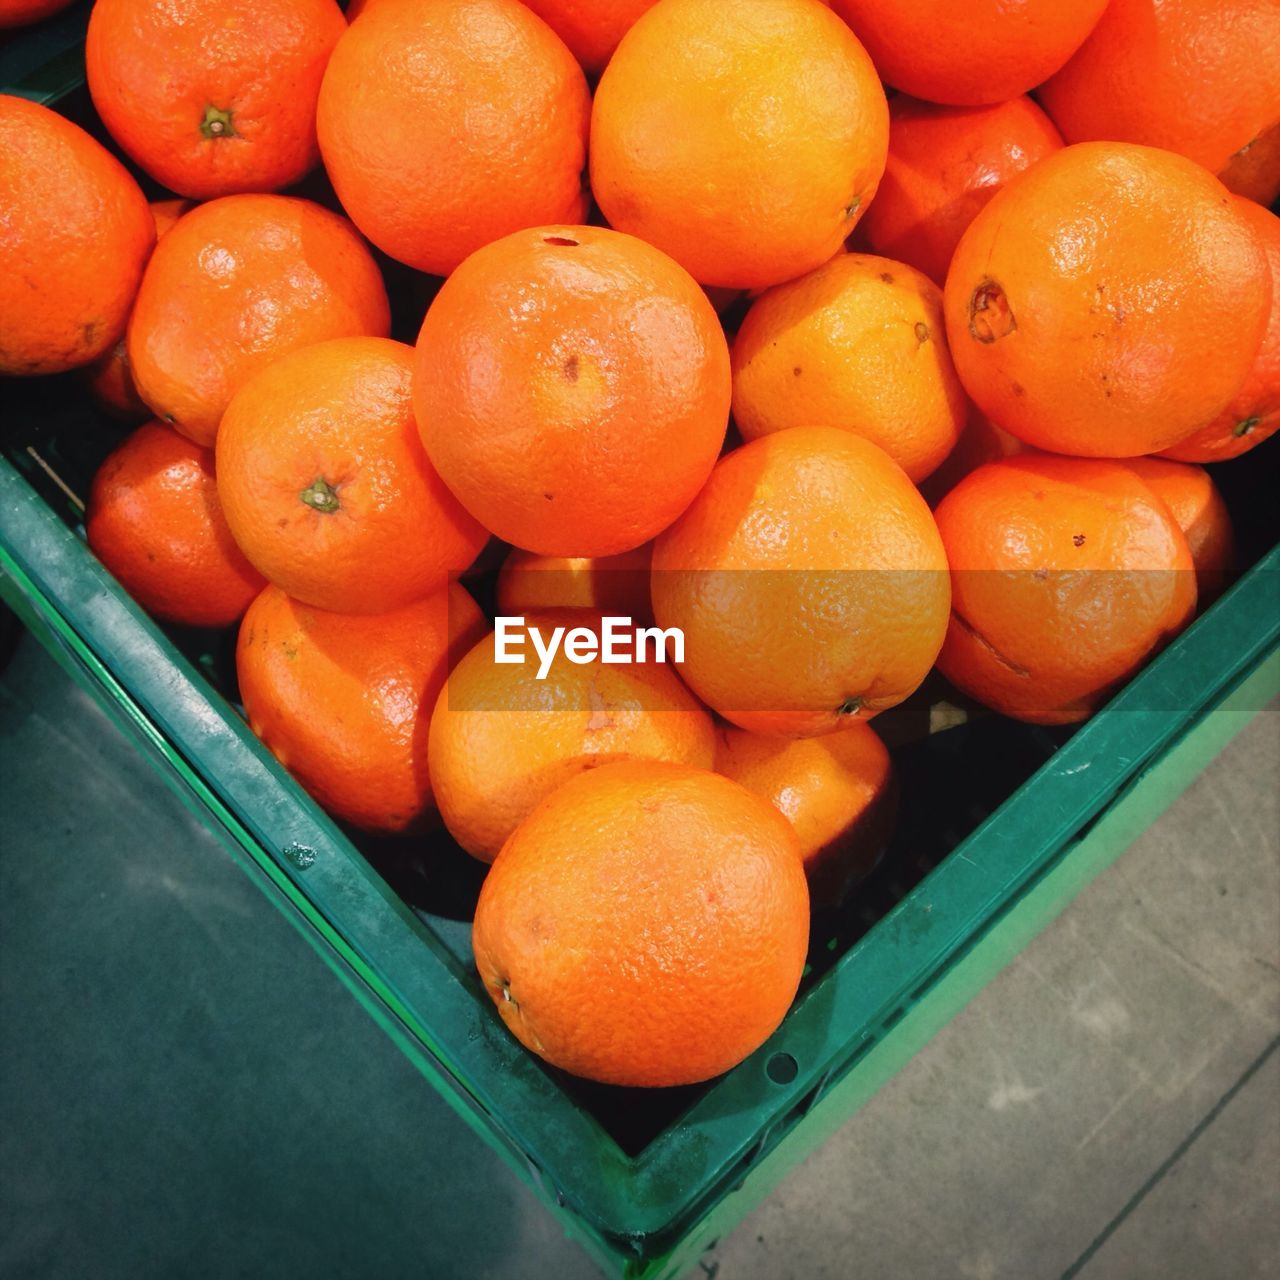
(21, 13)
(1254, 414)
(836, 791)
(502, 740)
(1200, 77)
(342, 702)
(809, 581)
(109, 378)
(945, 164)
(326, 486)
(1195, 503)
(860, 344)
(1107, 302)
(1068, 574)
(591, 28)
(448, 124)
(212, 97)
(616, 585)
(572, 387)
(236, 284)
(646, 925)
(967, 55)
(74, 238)
(154, 520)
(746, 141)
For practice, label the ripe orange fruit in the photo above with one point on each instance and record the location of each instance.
(236, 284)
(1254, 170)
(809, 581)
(591, 28)
(447, 124)
(342, 702)
(1195, 503)
(1254, 412)
(646, 925)
(746, 141)
(155, 521)
(980, 442)
(944, 164)
(836, 791)
(616, 585)
(21, 13)
(75, 233)
(212, 97)
(1200, 77)
(326, 486)
(1107, 302)
(502, 740)
(968, 55)
(1068, 573)
(860, 343)
(109, 378)
(601, 401)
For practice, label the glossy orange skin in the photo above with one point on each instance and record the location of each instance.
(616, 585)
(746, 141)
(591, 28)
(236, 284)
(836, 791)
(343, 702)
(969, 54)
(502, 740)
(646, 925)
(446, 124)
(154, 520)
(1107, 302)
(75, 236)
(1195, 503)
(945, 164)
(157, 69)
(21, 13)
(1068, 574)
(809, 581)
(859, 344)
(1200, 77)
(109, 378)
(600, 403)
(327, 488)
(1254, 414)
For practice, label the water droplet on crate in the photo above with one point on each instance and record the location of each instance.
(301, 855)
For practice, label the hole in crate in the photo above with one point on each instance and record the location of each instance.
(782, 1068)
(895, 1017)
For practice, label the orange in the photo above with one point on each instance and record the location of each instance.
(109, 378)
(944, 164)
(981, 441)
(326, 486)
(1107, 302)
(809, 581)
(1254, 413)
(1068, 574)
(342, 702)
(446, 124)
(646, 925)
(859, 343)
(20, 13)
(155, 521)
(744, 140)
(836, 791)
(236, 284)
(1195, 503)
(1254, 170)
(572, 387)
(591, 28)
(616, 585)
(502, 739)
(1200, 77)
(212, 97)
(75, 233)
(967, 55)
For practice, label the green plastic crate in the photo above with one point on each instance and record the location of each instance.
(646, 1181)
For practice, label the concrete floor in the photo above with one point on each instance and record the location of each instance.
(185, 1089)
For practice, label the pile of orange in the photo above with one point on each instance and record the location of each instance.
(1001, 277)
